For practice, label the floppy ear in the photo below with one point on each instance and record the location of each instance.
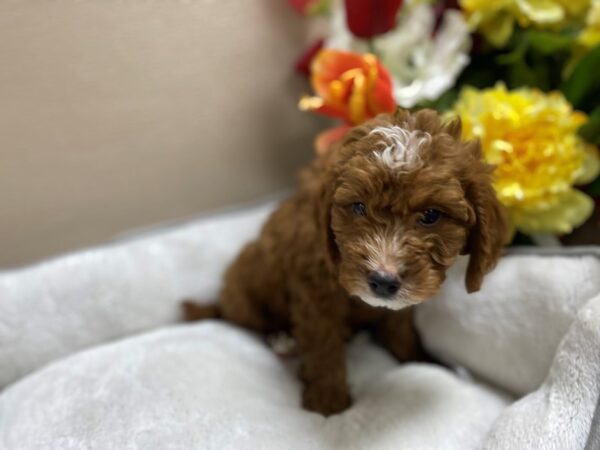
(325, 178)
(324, 222)
(488, 234)
(328, 168)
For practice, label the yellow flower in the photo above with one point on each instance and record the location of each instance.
(495, 19)
(590, 36)
(574, 8)
(531, 138)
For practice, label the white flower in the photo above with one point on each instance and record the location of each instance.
(423, 65)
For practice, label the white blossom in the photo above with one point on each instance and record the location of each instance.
(423, 65)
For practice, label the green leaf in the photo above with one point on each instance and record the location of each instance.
(319, 7)
(521, 43)
(584, 80)
(590, 131)
(548, 43)
(521, 75)
(521, 239)
(447, 100)
(442, 104)
(480, 77)
(543, 71)
(594, 188)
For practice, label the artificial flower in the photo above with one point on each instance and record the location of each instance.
(369, 18)
(349, 86)
(573, 8)
(532, 139)
(496, 19)
(439, 9)
(424, 61)
(304, 62)
(590, 36)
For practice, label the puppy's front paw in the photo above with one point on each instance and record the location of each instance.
(326, 400)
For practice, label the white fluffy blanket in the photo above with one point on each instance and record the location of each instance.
(79, 369)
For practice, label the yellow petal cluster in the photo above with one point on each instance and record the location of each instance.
(496, 19)
(532, 139)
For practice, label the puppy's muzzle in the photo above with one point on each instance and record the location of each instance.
(383, 284)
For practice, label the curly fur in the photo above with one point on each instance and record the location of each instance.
(307, 272)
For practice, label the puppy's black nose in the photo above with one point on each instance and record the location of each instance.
(383, 284)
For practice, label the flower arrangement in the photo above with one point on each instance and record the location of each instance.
(523, 75)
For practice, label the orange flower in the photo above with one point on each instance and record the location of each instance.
(350, 86)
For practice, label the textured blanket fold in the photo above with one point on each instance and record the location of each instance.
(76, 373)
(211, 386)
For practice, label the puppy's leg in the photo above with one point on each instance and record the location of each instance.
(242, 300)
(235, 306)
(194, 311)
(240, 307)
(320, 338)
(397, 333)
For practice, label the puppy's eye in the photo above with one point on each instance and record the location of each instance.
(430, 217)
(359, 209)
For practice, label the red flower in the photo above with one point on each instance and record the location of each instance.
(303, 63)
(368, 18)
(350, 86)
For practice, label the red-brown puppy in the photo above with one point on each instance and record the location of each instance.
(370, 232)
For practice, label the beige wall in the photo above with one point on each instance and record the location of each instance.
(119, 114)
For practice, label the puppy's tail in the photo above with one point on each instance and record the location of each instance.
(195, 311)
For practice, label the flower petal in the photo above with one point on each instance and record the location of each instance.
(590, 166)
(571, 210)
(351, 86)
(498, 29)
(368, 18)
(305, 60)
(541, 11)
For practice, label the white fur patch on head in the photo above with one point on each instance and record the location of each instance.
(402, 146)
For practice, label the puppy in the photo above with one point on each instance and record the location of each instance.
(371, 231)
